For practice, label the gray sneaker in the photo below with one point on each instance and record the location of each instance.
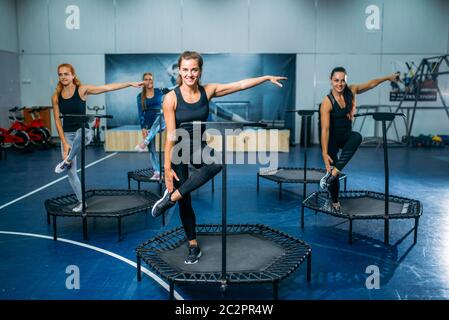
(194, 255)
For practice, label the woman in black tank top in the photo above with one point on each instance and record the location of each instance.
(190, 102)
(70, 98)
(336, 114)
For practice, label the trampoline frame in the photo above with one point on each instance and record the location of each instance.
(54, 205)
(296, 252)
(314, 202)
(416, 205)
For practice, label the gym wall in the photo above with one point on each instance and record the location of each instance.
(9, 60)
(323, 34)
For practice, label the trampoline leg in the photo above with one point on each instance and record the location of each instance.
(258, 182)
(387, 231)
(350, 231)
(139, 269)
(129, 183)
(302, 216)
(138, 185)
(280, 190)
(415, 236)
(171, 295)
(55, 233)
(85, 237)
(309, 267)
(119, 221)
(275, 289)
(213, 184)
(160, 189)
(48, 218)
(345, 183)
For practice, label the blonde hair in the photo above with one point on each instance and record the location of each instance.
(76, 81)
(187, 55)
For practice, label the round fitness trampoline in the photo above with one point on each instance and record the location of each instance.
(364, 204)
(114, 204)
(245, 261)
(302, 175)
(259, 254)
(101, 204)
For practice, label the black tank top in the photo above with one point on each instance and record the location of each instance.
(73, 105)
(339, 122)
(188, 112)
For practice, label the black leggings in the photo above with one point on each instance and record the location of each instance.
(349, 143)
(186, 185)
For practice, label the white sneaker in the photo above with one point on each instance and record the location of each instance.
(78, 207)
(156, 176)
(140, 148)
(63, 166)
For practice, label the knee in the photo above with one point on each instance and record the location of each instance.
(357, 137)
(216, 168)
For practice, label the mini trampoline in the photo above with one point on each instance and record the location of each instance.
(302, 175)
(259, 254)
(144, 175)
(114, 204)
(363, 204)
(101, 204)
(245, 261)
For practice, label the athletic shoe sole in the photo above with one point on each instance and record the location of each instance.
(198, 258)
(157, 203)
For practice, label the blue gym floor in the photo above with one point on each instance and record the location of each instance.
(33, 266)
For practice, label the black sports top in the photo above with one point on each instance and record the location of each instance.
(339, 122)
(73, 105)
(188, 112)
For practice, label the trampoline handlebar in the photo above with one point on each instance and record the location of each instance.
(85, 116)
(381, 116)
(307, 113)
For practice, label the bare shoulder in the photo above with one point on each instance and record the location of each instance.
(326, 104)
(170, 100)
(354, 89)
(210, 89)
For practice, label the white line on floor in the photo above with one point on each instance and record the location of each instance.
(109, 253)
(53, 182)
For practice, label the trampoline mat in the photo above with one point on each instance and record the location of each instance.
(367, 206)
(245, 253)
(295, 174)
(112, 203)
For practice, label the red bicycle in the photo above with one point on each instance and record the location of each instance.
(36, 135)
(38, 123)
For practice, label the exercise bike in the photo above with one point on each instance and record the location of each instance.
(96, 140)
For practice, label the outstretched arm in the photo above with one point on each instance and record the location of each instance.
(219, 90)
(361, 88)
(87, 89)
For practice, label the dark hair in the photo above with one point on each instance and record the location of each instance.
(347, 93)
(187, 55)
